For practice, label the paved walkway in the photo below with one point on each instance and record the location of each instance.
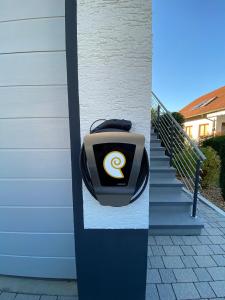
(179, 267)
(189, 267)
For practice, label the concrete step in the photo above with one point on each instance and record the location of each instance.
(153, 136)
(159, 161)
(162, 172)
(157, 151)
(155, 142)
(173, 223)
(169, 198)
(166, 182)
(171, 185)
(171, 209)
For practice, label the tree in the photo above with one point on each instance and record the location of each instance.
(179, 118)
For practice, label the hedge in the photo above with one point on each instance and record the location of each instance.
(218, 144)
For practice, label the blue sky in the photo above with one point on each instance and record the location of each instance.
(188, 49)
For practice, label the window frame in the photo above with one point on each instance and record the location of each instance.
(189, 129)
(206, 125)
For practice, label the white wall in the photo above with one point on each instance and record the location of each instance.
(195, 127)
(36, 225)
(114, 48)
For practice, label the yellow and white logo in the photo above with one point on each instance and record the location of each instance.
(113, 163)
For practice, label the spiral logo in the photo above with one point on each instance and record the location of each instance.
(113, 163)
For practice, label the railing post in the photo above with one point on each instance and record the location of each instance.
(171, 143)
(196, 188)
(158, 120)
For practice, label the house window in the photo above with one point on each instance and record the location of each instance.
(203, 130)
(188, 130)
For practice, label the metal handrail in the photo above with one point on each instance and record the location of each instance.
(198, 151)
(188, 165)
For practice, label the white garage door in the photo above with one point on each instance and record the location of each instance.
(36, 222)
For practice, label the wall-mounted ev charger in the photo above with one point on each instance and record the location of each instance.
(114, 163)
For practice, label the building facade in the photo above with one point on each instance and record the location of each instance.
(205, 116)
(36, 200)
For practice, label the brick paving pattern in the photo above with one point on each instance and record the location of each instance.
(189, 267)
(179, 267)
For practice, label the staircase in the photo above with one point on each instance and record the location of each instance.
(170, 205)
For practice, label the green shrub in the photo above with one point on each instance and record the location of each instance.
(185, 162)
(210, 168)
(218, 144)
(179, 118)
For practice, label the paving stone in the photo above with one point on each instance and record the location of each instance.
(219, 259)
(217, 239)
(218, 288)
(217, 249)
(156, 262)
(27, 297)
(223, 247)
(48, 298)
(189, 262)
(151, 292)
(217, 273)
(173, 262)
(163, 240)
(202, 274)
(151, 240)
(177, 240)
(185, 275)
(167, 276)
(204, 289)
(67, 298)
(222, 229)
(172, 250)
(222, 224)
(191, 240)
(153, 276)
(188, 250)
(214, 231)
(185, 291)
(148, 263)
(166, 292)
(7, 296)
(202, 250)
(149, 251)
(204, 261)
(157, 250)
(204, 240)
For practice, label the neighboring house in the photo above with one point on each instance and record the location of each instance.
(205, 116)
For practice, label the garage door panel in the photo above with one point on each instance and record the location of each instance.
(11, 9)
(35, 164)
(35, 133)
(34, 266)
(33, 69)
(33, 101)
(36, 219)
(19, 36)
(40, 192)
(45, 245)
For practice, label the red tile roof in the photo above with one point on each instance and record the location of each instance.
(214, 101)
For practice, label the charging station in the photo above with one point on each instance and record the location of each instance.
(114, 163)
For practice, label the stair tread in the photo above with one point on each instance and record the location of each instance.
(162, 169)
(165, 181)
(165, 197)
(173, 219)
(160, 157)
